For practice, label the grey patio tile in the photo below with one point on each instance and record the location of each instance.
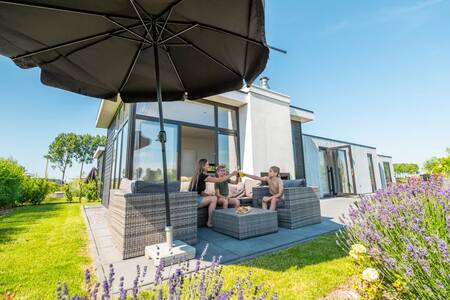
(280, 238)
(104, 241)
(109, 255)
(210, 235)
(246, 247)
(214, 250)
(101, 232)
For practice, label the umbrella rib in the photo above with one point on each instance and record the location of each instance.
(139, 16)
(206, 54)
(246, 44)
(131, 67)
(131, 39)
(147, 15)
(144, 10)
(165, 23)
(237, 35)
(168, 8)
(69, 43)
(177, 34)
(90, 45)
(130, 31)
(62, 9)
(174, 68)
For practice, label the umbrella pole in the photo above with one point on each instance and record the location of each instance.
(162, 138)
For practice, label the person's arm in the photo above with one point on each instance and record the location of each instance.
(256, 177)
(221, 179)
(218, 195)
(236, 181)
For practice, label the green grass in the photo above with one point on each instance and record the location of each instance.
(41, 245)
(307, 271)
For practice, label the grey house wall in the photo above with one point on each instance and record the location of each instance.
(311, 145)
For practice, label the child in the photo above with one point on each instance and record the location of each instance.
(275, 187)
(221, 188)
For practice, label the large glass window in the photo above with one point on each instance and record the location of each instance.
(184, 111)
(371, 172)
(147, 162)
(123, 164)
(118, 159)
(323, 164)
(226, 118)
(228, 151)
(343, 171)
(113, 166)
(387, 171)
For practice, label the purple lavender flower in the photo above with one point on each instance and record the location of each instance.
(158, 272)
(87, 277)
(443, 249)
(105, 290)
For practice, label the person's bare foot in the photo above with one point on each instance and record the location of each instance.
(209, 225)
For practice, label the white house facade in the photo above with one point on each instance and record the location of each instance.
(250, 129)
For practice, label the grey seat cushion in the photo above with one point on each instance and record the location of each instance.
(294, 183)
(144, 187)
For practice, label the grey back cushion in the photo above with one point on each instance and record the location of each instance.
(294, 183)
(144, 187)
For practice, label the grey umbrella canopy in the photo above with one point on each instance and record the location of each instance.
(105, 47)
(144, 50)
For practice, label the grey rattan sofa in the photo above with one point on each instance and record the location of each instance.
(300, 205)
(138, 219)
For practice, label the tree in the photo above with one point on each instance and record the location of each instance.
(61, 151)
(12, 176)
(439, 165)
(85, 148)
(405, 168)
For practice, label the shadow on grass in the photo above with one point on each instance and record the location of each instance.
(22, 218)
(322, 248)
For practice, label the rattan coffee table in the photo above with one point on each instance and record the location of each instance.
(243, 226)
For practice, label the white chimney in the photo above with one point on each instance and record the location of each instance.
(264, 82)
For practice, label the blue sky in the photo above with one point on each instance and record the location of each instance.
(374, 72)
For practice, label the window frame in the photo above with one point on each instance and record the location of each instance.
(134, 116)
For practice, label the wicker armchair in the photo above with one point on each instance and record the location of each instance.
(138, 220)
(299, 207)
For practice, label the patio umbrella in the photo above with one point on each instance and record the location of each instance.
(159, 50)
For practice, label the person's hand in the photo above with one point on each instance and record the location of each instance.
(234, 173)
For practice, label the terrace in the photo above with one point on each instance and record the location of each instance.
(231, 250)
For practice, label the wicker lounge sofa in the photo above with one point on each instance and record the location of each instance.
(300, 205)
(137, 218)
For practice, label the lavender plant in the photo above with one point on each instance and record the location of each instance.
(183, 283)
(406, 230)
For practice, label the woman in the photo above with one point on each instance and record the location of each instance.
(198, 184)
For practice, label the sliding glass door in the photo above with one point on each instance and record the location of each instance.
(336, 171)
(147, 162)
(371, 172)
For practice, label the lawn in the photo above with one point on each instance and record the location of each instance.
(307, 271)
(41, 245)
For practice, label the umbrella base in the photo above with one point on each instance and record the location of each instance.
(179, 252)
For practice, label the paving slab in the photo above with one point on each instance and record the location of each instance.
(232, 250)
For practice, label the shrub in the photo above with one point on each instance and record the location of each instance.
(90, 190)
(12, 176)
(206, 283)
(406, 230)
(68, 192)
(35, 190)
